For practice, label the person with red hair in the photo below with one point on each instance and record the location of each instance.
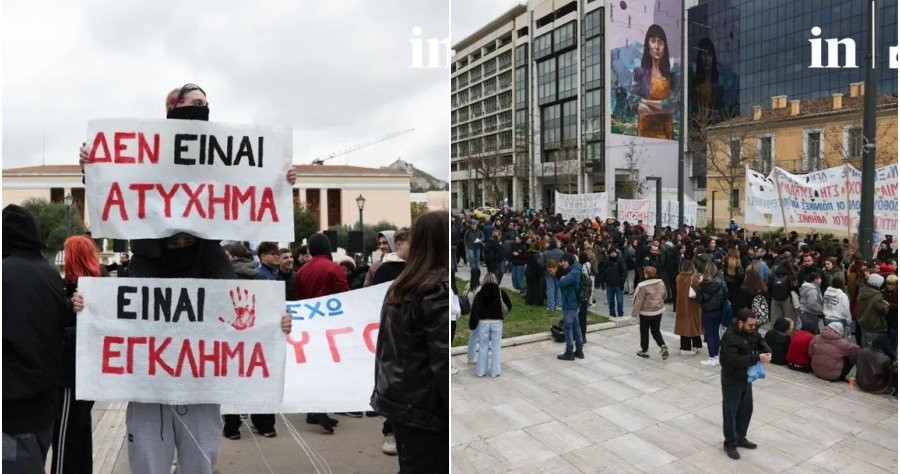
(72, 446)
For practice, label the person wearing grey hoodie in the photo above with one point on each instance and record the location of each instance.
(811, 300)
(386, 245)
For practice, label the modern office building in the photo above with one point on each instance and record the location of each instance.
(530, 103)
(760, 49)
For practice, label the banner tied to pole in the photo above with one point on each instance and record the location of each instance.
(180, 341)
(156, 178)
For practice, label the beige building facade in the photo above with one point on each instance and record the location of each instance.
(799, 136)
(329, 192)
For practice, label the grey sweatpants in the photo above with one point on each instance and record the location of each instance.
(156, 430)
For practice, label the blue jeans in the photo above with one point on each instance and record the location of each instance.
(710, 321)
(473, 344)
(615, 300)
(554, 296)
(572, 330)
(474, 257)
(518, 276)
(490, 334)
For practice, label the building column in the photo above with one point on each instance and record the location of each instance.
(323, 209)
(517, 193)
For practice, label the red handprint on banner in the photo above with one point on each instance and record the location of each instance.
(244, 309)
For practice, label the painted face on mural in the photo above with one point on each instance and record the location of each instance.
(657, 48)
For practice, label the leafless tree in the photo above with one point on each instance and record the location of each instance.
(633, 185)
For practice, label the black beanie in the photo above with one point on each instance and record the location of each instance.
(782, 325)
(319, 245)
(569, 258)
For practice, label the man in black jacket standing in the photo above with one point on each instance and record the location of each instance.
(34, 310)
(741, 348)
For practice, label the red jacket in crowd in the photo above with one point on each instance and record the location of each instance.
(798, 349)
(320, 277)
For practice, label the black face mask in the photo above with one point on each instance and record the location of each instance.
(190, 112)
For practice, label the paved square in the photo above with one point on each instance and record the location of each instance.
(615, 412)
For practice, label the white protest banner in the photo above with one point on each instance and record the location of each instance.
(180, 341)
(330, 364)
(582, 206)
(633, 210)
(670, 213)
(156, 178)
(885, 204)
(817, 200)
(762, 206)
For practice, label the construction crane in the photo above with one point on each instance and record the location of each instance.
(359, 146)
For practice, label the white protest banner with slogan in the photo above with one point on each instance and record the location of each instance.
(582, 206)
(670, 213)
(762, 205)
(330, 363)
(155, 178)
(817, 200)
(885, 203)
(180, 341)
(633, 210)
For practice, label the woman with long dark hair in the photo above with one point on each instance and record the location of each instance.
(654, 88)
(72, 444)
(412, 366)
(711, 295)
(708, 93)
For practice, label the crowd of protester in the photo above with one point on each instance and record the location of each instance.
(822, 307)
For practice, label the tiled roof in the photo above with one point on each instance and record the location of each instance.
(301, 169)
(809, 108)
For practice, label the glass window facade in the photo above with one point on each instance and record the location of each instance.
(546, 81)
(568, 70)
(550, 127)
(761, 49)
(570, 123)
(564, 37)
(543, 46)
(521, 88)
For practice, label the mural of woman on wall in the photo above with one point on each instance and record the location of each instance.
(708, 92)
(654, 89)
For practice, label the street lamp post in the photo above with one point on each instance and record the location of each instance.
(361, 203)
(712, 219)
(68, 201)
(658, 180)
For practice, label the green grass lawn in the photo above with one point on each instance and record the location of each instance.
(520, 320)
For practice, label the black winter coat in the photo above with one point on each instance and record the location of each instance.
(412, 368)
(487, 304)
(779, 342)
(711, 295)
(34, 315)
(615, 272)
(737, 354)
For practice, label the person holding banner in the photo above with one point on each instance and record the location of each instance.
(156, 430)
(412, 364)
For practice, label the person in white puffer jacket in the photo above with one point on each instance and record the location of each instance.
(836, 306)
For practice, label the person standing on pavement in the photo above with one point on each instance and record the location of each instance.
(570, 288)
(552, 254)
(649, 305)
(486, 319)
(711, 296)
(320, 277)
(412, 363)
(34, 316)
(286, 273)
(687, 310)
(616, 273)
(474, 239)
(742, 347)
(72, 443)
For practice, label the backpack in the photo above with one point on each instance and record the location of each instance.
(556, 332)
(465, 306)
(760, 308)
(586, 285)
(781, 287)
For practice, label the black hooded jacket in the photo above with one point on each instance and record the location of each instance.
(34, 315)
(412, 369)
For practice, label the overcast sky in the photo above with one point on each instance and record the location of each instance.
(470, 15)
(337, 72)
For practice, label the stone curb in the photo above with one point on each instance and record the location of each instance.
(529, 338)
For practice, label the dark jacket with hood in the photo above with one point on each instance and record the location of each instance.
(412, 380)
(34, 315)
(243, 268)
(778, 339)
(711, 295)
(486, 304)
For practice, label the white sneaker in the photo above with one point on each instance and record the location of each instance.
(710, 362)
(390, 444)
(453, 370)
(687, 353)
